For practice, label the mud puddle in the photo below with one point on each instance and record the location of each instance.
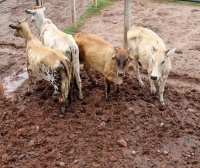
(13, 82)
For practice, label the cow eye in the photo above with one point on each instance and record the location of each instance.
(162, 62)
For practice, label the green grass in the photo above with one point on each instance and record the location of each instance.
(90, 11)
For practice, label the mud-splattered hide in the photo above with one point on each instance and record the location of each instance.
(52, 37)
(45, 63)
(97, 54)
(150, 50)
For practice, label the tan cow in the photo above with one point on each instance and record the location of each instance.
(149, 49)
(46, 63)
(97, 54)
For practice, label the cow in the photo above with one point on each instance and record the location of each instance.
(150, 50)
(52, 37)
(98, 54)
(1, 90)
(47, 63)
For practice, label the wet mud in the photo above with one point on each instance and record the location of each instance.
(130, 129)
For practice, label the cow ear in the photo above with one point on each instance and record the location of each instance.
(152, 48)
(29, 11)
(170, 52)
(129, 50)
(113, 57)
(13, 26)
(44, 8)
(116, 49)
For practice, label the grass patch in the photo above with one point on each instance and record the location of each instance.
(90, 11)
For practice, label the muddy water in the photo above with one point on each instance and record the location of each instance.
(14, 81)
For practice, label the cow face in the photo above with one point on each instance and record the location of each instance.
(158, 62)
(38, 11)
(18, 28)
(122, 59)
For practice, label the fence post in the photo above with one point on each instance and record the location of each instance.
(1, 90)
(73, 13)
(95, 3)
(127, 20)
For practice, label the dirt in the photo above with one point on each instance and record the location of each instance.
(130, 129)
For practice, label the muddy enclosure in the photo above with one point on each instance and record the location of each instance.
(129, 130)
(35, 134)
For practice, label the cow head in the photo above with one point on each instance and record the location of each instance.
(158, 62)
(37, 15)
(38, 10)
(122, 59)
(18, 28)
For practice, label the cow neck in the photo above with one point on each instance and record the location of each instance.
(39, 21)
(27, 33)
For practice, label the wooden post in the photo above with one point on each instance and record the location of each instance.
(95, 3)
(127, 20)
(1, 90)
(73, 12)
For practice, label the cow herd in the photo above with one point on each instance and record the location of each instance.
(57, 57)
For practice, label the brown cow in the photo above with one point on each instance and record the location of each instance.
(96, 53)
(1, 90)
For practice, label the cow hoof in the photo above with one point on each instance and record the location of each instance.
(94, 83)
(162, 103)
(55, 97)
(141, 84)
(62, 110)
(27, 93)
(107, 99)
(80, 97)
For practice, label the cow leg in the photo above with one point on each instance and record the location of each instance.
(76, 69)
(138, 73)
(117, 88)
(78, 81)
(64, 90)
(161, 91)
(89, 74)
(152, 84)
(107, 87)
(1, 90)
(30, 82)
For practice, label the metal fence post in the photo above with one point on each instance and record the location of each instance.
(127, 20)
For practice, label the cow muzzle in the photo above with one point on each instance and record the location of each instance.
(154, 77)
(120, 74)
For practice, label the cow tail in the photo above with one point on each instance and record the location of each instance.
(68, 69)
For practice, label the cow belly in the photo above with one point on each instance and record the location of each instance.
(48, 74)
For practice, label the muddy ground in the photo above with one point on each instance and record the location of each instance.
(34, 134)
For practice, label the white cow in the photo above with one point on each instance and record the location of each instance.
(52, 37)
(149, 49)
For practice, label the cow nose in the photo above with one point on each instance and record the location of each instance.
(154, 77)
(120, 73)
